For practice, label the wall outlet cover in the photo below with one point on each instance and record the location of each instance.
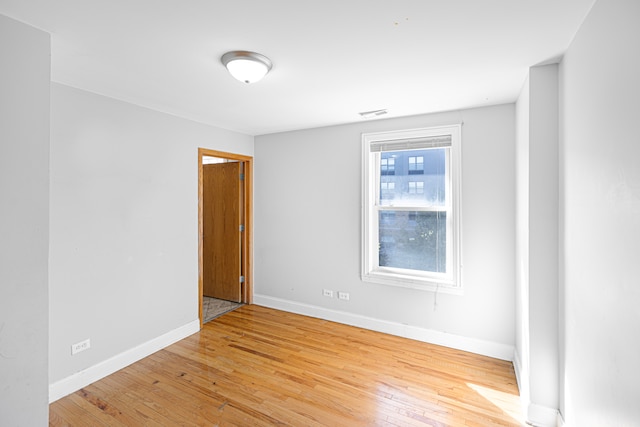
(81, 346)
(343, 296)
(327, 293)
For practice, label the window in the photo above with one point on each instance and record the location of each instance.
(387, 166)
(416, 187)
(416, 165)
(387, 190)
(411, 225)
(387, 187)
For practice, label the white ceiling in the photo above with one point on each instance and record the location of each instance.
(332, 59)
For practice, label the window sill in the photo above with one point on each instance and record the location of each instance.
(412, 282)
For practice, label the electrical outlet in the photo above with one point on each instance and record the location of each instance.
(327, 293)
(81, 346)
(343, 296)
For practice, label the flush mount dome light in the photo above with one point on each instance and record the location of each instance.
(248, 67)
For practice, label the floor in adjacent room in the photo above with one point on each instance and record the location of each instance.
(213, 307)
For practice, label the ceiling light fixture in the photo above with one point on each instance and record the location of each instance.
(248, 67)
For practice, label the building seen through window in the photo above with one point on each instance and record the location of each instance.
(403, 184)
(413, 239)
(416, 165)
(387, 166)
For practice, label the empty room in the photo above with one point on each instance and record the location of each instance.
(329, 213)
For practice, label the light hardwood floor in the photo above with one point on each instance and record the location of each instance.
(260, 367)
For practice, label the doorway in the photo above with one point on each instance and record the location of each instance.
(224, 228)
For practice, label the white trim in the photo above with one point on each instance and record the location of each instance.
(522, 379)
(541, 416)
(473, 345)
(535, 415)
(560, 420)
(107, 367)
(517, 367)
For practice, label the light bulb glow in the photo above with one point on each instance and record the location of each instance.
(247, 71)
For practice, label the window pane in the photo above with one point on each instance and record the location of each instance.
(413, 240)
(418, 177)
(387, 164)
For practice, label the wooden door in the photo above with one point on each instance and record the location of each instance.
(222, 237)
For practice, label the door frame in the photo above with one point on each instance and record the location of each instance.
(247, 236)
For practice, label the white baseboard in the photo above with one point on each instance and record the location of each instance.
(517, 367)
(541, 416)
(96, 372)
(560, 422)
(535, 415)
(473, 345)
(522, 379)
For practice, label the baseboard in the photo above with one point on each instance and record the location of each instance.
(96, 372)
(560, 421)
(485, 348)
(517, 367)
(541, 416)
(535, 415)
(522, 379)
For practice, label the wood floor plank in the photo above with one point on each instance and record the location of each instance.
(260, 367)
(68, 413)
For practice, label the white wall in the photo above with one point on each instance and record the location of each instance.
(543, 235)
(24, 223)
(537, 244)
(521, 356)
(600, 219)
(307, 232)
(123, 266)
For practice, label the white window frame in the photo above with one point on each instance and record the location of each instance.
(371, 271)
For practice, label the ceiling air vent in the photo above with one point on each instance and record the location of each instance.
(371, 114)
